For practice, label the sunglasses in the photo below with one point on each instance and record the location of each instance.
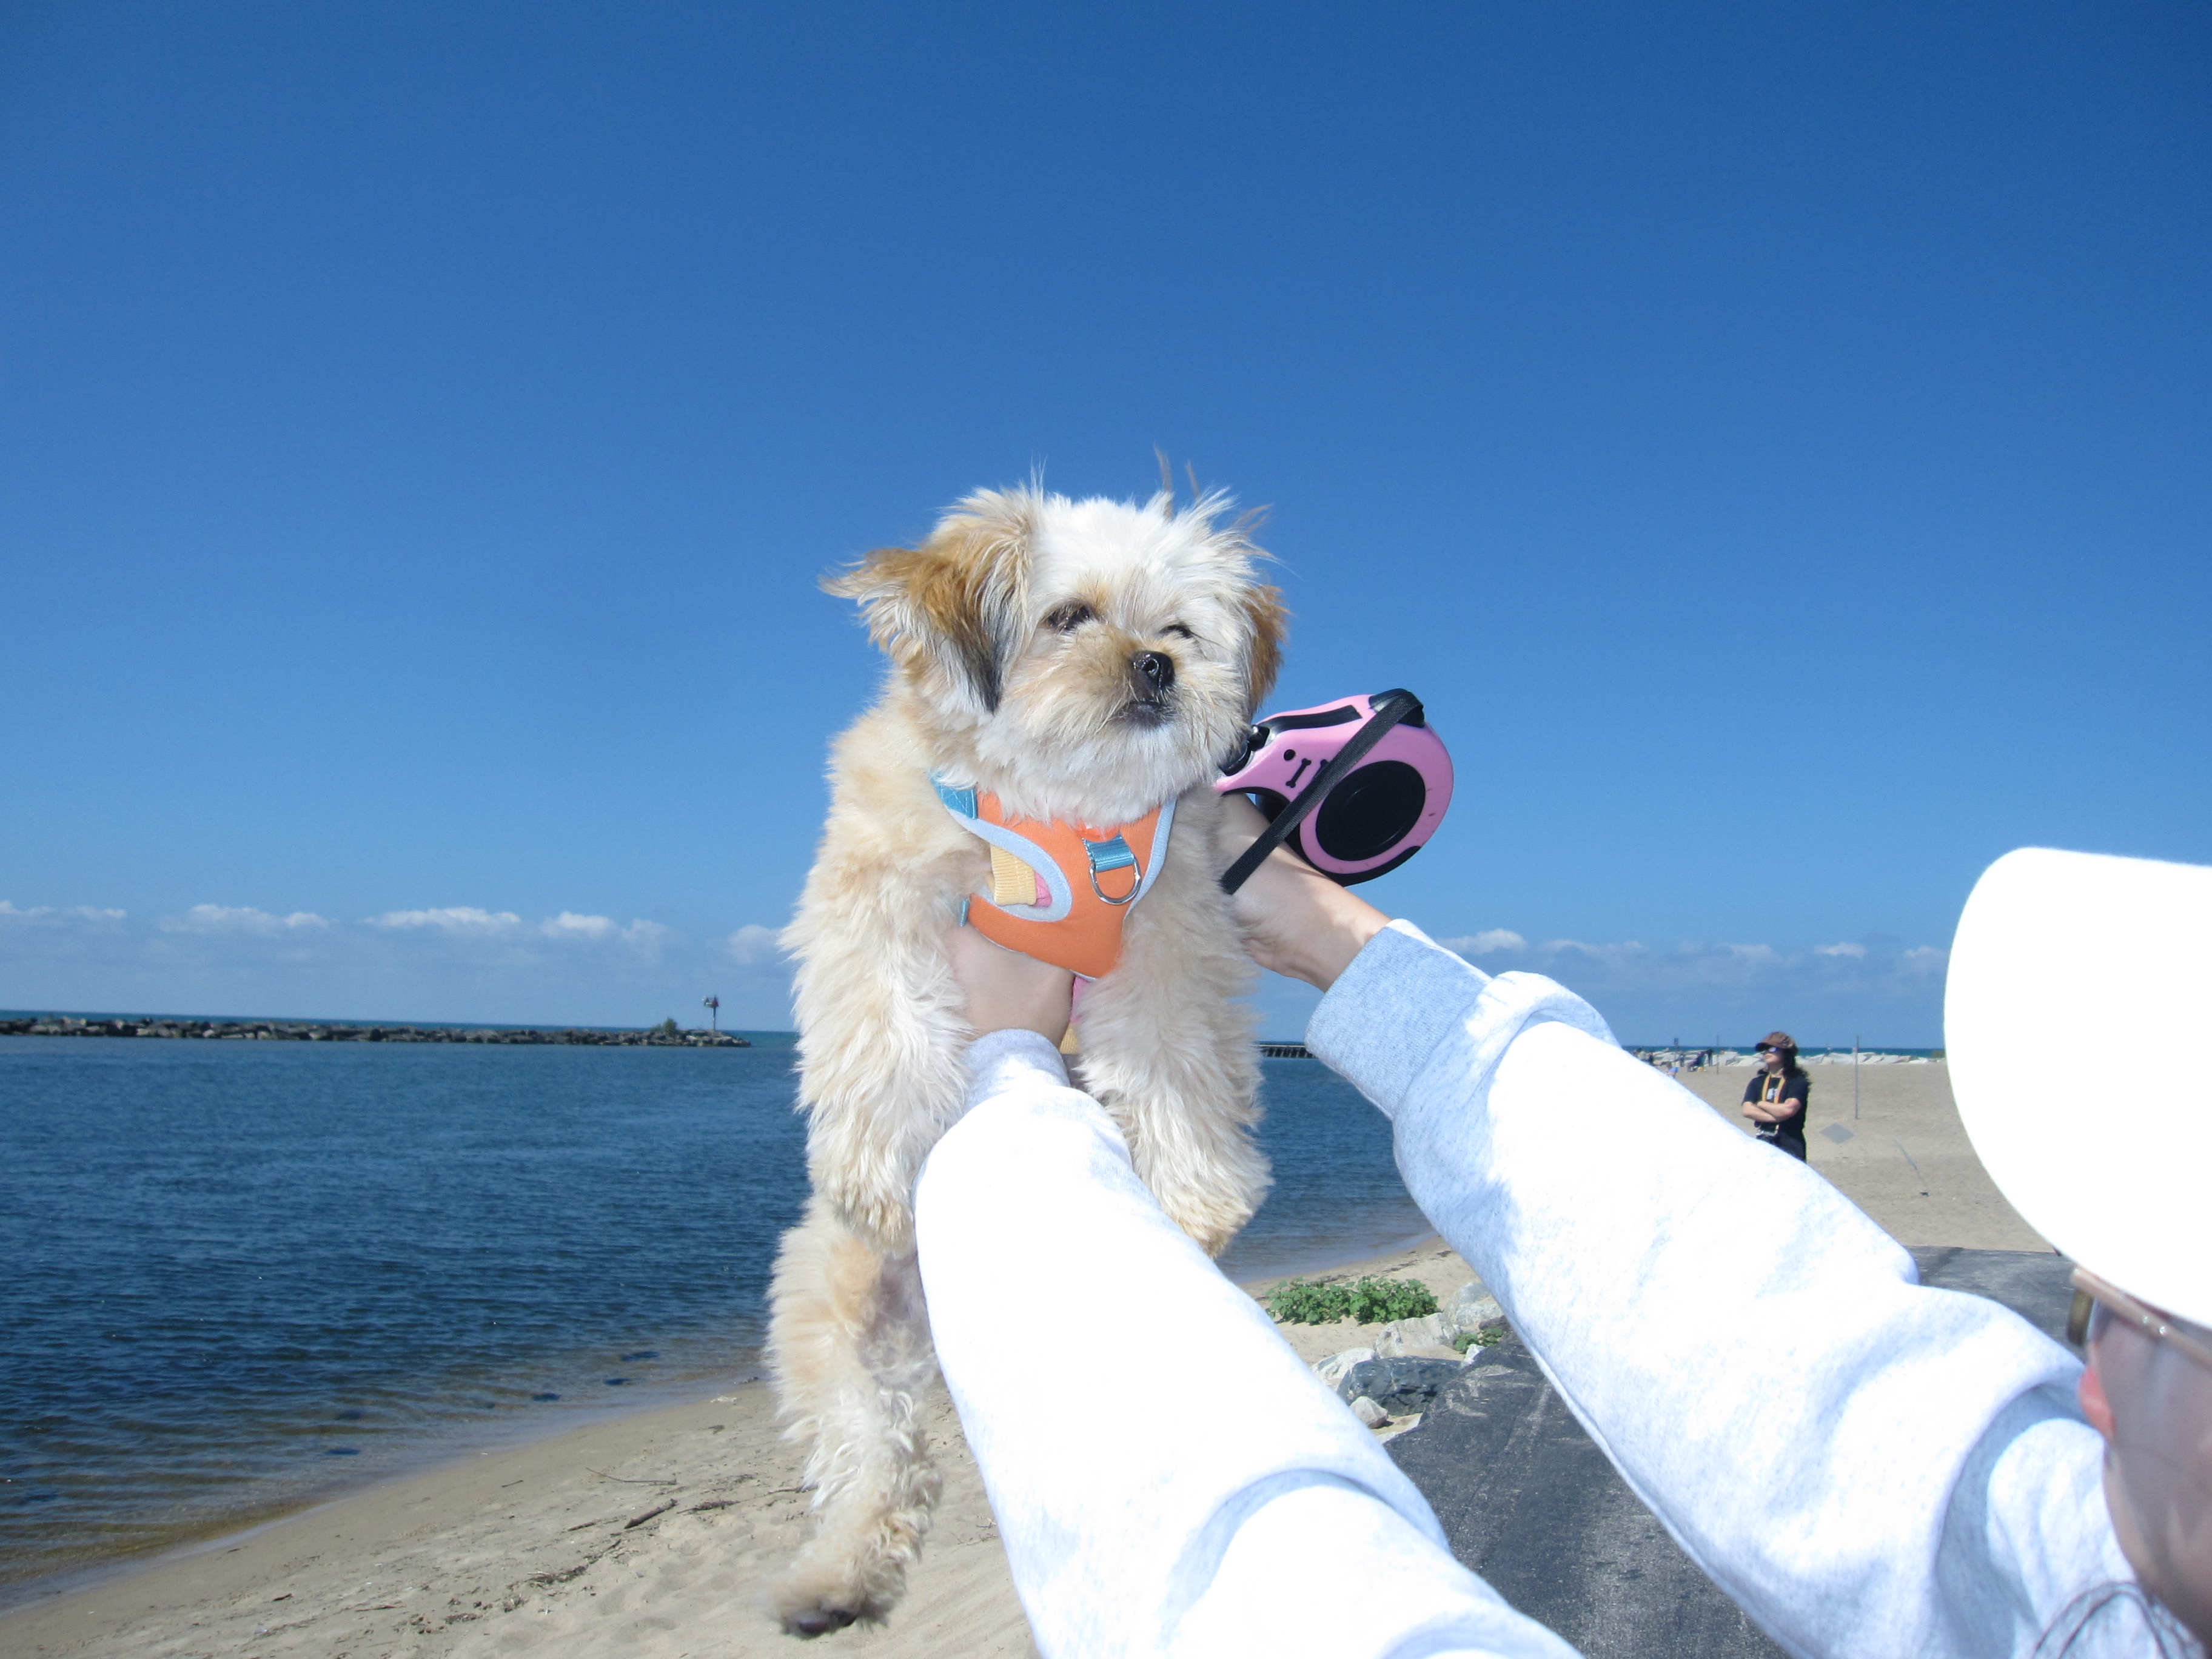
(2096, 1302)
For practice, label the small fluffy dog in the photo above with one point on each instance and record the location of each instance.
(1085, 662)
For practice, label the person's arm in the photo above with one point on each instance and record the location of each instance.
(1867, 1466)
(1765, 1111)
(1753, 1107)
(1789, 1103)
(1138, 1518)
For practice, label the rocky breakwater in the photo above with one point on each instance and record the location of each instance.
(667, 1035)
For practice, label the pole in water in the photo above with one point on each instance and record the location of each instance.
(713, 1007)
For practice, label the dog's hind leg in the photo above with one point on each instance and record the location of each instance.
(848, 1341)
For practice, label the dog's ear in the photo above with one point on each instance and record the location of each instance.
(949, 612)
(1266, 621)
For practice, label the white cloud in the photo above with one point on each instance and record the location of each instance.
(644, 935)
(569, 924)
(1627, 950)
(48, 915)
(240, 919)
(1486, 942)
(462, 920)
(753, 942)
(1652, 991)
(1630, 961)
(452, 962)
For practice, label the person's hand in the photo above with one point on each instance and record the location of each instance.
(1007, 991)
(1297, 921)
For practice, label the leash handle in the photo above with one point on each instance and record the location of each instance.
(1389, 709)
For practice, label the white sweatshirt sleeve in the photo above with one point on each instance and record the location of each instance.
(1169, 1478)
(1867, 1467)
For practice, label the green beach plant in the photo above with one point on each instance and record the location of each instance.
(1379, 1301)
(1367, 1302)
(1302, 1302)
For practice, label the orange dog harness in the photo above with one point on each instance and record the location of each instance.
(1060, 891)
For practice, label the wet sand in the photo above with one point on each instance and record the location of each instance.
(653, 1535)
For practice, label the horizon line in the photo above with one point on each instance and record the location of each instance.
(103, 1017)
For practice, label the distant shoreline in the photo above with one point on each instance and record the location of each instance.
(25, 1021)
(201, 1028)
(1668, 1056)
(279, 1030)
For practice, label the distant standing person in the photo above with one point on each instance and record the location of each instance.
(1775, 1098)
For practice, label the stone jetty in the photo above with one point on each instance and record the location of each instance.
(284, 1030)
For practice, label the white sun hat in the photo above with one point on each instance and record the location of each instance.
(2076, 1016)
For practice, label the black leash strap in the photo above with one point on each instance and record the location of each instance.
(1390, 707)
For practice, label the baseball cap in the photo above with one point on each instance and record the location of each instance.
(2062, 961)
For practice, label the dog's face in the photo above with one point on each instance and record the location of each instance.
(1083, 660)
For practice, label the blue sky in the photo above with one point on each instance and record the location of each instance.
(1773, 439)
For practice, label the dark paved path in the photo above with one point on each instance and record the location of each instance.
(1530, 1502)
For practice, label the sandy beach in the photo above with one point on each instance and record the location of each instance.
(1903, 1158)
(651, 1534)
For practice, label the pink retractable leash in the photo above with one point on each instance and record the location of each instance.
(1356, 786)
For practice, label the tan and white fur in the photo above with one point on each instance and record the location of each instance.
(1026, 637)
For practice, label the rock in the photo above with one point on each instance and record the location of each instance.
(1406, 1337)
(1399, 1386)
(1369, 1413)
(1470, 1309)
(1332, 1369)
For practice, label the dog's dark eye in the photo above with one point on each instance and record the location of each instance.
(1067, 618)
(1178, 628)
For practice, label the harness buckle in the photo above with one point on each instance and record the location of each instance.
(1112, 854)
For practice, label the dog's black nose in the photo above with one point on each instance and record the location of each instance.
(1155, 671)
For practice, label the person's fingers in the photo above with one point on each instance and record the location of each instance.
(1005, 990)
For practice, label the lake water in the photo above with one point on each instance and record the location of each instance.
(235, 1275)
